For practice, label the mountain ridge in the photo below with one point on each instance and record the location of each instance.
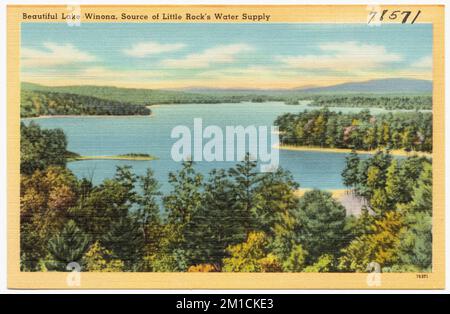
(392, 85)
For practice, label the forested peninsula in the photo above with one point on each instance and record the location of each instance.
(39, 103)
(407, 131)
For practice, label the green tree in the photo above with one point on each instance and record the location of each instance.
(45, 202)
(415, 245)
(321, 223)
(380, 245)
(147, 212)
(216, 224)
(173, 261)
(350, 172)
(422, 199)
(125, 240)
(246, 178)
(324, 264)
(251, 256)
(296, 261)
(185, 197)
(101, 206)
(66, 247)
(99, 259)
(393, 184)
(41, 148)
(275, 199)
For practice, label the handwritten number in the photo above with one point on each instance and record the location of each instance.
(407, 14)
(394, 15)
(373, 14)
(415, 18)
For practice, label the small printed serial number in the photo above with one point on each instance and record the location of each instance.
(246, 303)
(393, 15)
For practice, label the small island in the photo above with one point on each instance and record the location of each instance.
(71, 156)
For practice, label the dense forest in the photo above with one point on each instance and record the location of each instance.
(236, 220)
(361, 101)
(410, 131)
(39, 103)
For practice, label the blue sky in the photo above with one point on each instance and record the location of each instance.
(222, 55)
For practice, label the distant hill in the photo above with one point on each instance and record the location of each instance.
(391, 86)
(130, 95)
(395, 85)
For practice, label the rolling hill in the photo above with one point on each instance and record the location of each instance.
(388, 86)
(395, 85)
(131, 95)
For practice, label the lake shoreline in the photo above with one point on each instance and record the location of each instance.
(394, 152)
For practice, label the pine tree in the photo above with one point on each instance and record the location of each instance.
(275, 198)
(127, 179)
(125, 240)
(410, 171)
(66, 247)
(415, 248)
(185, 197)
(216, 224)
(147, 212)
(415, 245)
(246, 178)
(332, 134)
(350, 172)
(423, 192)
(393, 185)
(321, 224)
(379, 245)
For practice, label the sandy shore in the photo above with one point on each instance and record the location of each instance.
(395, 152)
(335, 193)
(353, 204)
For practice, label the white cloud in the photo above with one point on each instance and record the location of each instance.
(54, 55)
(142, 50)
(343, 56)
(423, 63)
(219, 54)
(246, 72)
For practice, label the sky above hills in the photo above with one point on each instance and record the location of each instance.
(248, 56)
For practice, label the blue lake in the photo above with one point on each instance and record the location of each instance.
(103, 136)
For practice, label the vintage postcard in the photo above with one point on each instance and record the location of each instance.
(225, 147)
